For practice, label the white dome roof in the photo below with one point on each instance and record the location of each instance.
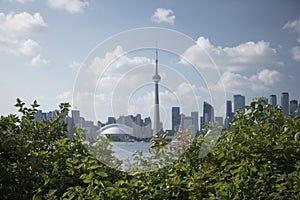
(115, 129)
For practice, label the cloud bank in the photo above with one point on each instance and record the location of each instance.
(71, 6)
(295, 26)
(249, 54)
(163, 15)
(14, 29)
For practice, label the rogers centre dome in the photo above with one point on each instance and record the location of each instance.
(116, 132)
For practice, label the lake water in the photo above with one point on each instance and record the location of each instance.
(125, 150)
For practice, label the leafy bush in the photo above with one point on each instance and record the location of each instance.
(258, 158)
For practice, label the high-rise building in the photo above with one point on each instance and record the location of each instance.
(285, 103)
(195, 116)
(238, 102)
(186, 123)
(219, 121)
(139, 120)
(208, 113)
(228, 108)
(110, 120)
(229, 114)
(293, 107)
(201, 123)
(273, 100)
(175, 118)
(76, 117)
(38, 115)
(148, 121)
(156, 118)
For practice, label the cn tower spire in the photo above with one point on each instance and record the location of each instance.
(156, 62)
(156, 118)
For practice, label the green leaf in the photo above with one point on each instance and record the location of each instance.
(102, 174)
(52, 192)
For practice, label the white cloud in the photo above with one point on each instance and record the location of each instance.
(163, 15)
(75, 65)
(237, 83)
(295, 25)
(115, 63)
(72, 6)
(64, 95)
(296, 53)
(27, 47)
(18, 24)
(39, 61)
(13, 30)
(24, 1)
(250, 54)
(267, 77)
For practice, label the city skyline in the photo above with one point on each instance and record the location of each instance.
(44, 48)
(179, 120)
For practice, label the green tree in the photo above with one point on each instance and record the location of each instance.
(258, 158)
(38, 160)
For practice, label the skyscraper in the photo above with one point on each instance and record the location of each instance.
(238, 102)
(285, 103)
(175, 118)
(228, 116)
(186, 123)
(228, 108)
(76, 117)
(273, 100)
(195, 116)
(208, 113)
(219, 121)
(293, 107)
(156, 118)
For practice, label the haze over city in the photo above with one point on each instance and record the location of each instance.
(44, 44)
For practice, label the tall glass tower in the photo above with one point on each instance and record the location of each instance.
(175, 118)
(273, 100)
(156, 118)
(238, 102)
(293, 107)
(285, 103)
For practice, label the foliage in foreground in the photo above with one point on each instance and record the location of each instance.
(258, 158)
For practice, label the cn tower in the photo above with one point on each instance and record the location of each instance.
(156, 119)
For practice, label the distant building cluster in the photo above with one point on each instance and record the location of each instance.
(142, 128)
(289, 107)
(74, 121)
(182, 122)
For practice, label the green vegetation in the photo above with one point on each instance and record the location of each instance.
(258, 158)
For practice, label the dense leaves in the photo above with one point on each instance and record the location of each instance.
(258, 158)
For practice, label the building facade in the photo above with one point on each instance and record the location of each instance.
(285, 103)
(293, 107)
(239, 102)
(273, 100)
(175, 118)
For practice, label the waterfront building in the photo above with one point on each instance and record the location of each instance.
(273, 100)
(285, 103)
(175, 118)
(219, 121)
(229, 114)
(208, 113)
(239, 102)
(195, 116)
(293, 107)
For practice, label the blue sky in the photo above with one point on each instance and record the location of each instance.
(46, 45)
